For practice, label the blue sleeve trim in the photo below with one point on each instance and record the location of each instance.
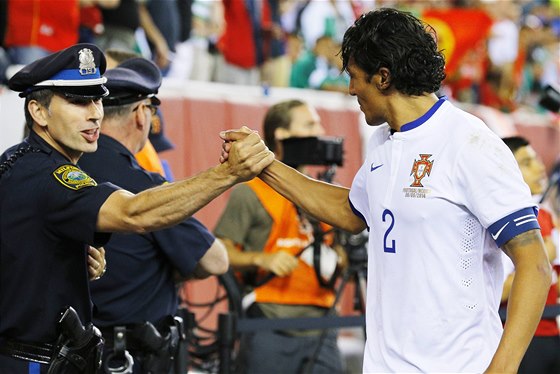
(357, 212)
(513, 225)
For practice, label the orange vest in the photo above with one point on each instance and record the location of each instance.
(288, 234)
(149, 159)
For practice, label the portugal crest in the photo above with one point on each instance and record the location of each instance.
(420, 169)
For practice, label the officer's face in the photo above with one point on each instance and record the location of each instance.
(72, 126)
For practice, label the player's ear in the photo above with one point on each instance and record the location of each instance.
(382, 79)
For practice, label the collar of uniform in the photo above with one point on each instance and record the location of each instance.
(114, 145)
(35, 140)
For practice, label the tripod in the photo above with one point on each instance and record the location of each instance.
(356, 271)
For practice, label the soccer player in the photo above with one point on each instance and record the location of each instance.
(440, 195)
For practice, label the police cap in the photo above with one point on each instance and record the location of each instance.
(75, 72)
(133, 80)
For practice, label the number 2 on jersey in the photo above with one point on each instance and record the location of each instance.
(388, 248)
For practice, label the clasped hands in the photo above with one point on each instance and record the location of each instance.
(244, 152)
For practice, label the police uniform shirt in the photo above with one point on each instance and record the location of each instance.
(145, 288)
(432, 196)
(48, 215)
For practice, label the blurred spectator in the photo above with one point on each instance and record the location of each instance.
(277, 72)
(36, 28)
(315, 18)
(91, 18)
(250, 37)
(331, 77)
(207, 25)
(119, 26)
(161, 23)
(312, 60)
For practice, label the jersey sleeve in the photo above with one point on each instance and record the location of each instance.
(185, 244)
(491, 186)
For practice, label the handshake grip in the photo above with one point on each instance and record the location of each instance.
(78, 349)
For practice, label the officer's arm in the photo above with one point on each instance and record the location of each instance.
(169, 204)
(214, 262)
(526, 300)
(326, 202)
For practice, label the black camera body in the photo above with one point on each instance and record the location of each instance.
(322, 150)
(550, 99)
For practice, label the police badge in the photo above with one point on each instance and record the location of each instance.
(87, 62)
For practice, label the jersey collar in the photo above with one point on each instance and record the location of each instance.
(426, 116)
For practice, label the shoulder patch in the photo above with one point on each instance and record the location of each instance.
(72, 177)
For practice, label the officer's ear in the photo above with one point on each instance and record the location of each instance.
(140, 118)
(38, 112)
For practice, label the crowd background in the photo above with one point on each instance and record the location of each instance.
(226, 61)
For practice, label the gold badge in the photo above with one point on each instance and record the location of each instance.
(72, 177)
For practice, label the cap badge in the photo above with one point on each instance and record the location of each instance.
(87, 62)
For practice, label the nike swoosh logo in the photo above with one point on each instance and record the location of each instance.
(499, 231)
(375, 167)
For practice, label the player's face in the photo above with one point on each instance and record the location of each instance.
(367, 94)
(72, 126)
(305, 122)
(532, 169)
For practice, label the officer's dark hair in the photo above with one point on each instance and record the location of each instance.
(400, 42)
(278, 116)
(515, 142)
(43, 97)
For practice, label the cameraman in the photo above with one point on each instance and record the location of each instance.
(270, 242)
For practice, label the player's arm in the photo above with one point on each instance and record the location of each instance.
(169, 204)
(526, 300)
(326, 202)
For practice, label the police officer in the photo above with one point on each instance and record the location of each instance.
(51, 210)
(138, 292)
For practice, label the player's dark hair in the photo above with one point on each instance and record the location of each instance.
(278, 116)
(400, 42)
(43, 97)
(515, 142)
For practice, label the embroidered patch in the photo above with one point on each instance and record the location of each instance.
(72, 177)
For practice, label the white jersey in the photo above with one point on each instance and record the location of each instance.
(434, 197)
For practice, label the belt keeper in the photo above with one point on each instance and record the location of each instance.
(119, 343)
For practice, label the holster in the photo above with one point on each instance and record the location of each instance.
(160, 348)
(78, 349)
(155, 350)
